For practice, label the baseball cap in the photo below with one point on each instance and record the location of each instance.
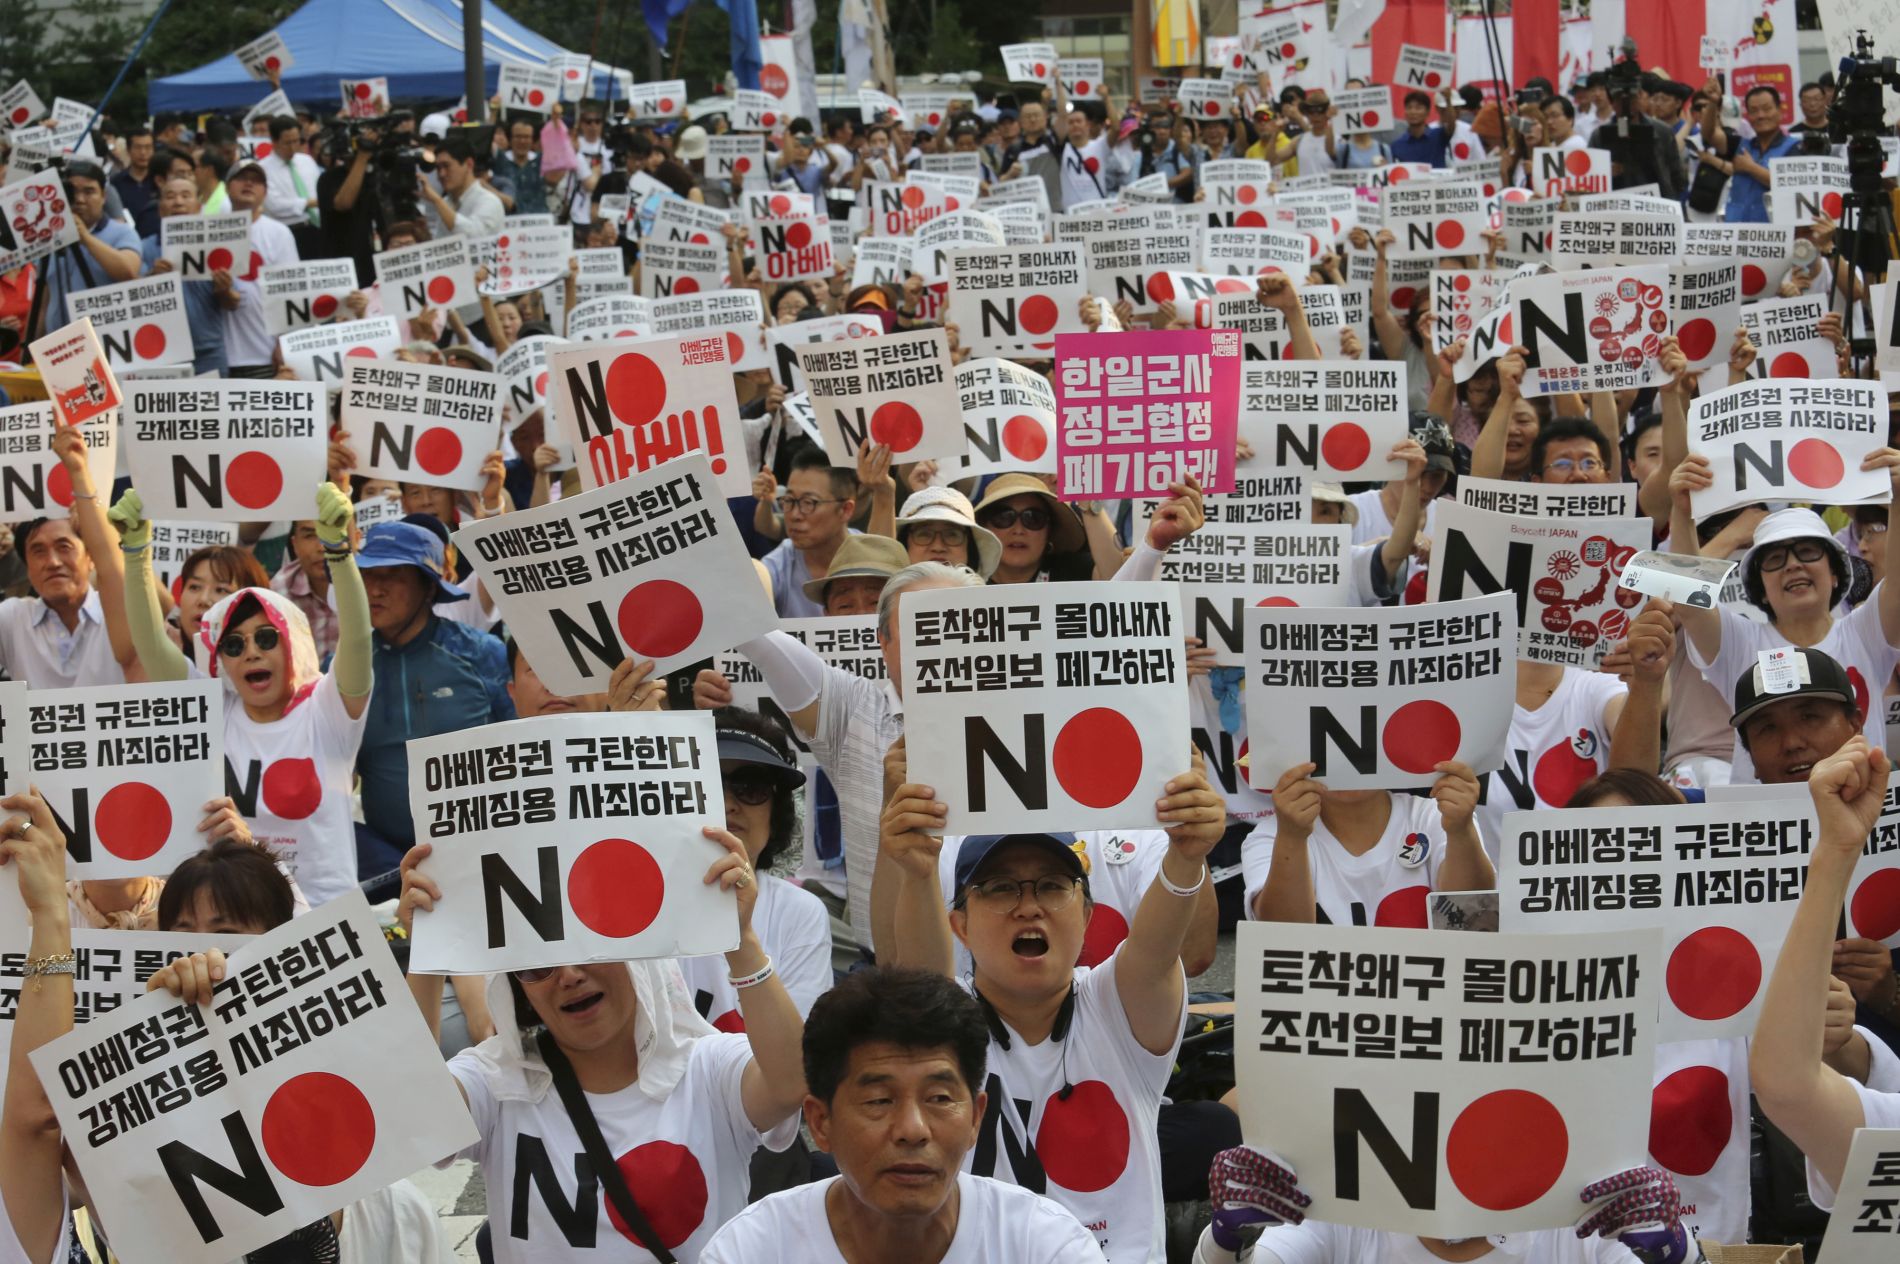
(977, 848)
(405, 544)
(1472, 96)
(242, 165)
(1435, 437)
(1817, 675)
(436, 125)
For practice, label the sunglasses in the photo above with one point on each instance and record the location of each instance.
(539, 974)
(1034, 518)
(232, 644)
(750, 788)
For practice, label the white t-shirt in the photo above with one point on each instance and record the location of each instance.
(11, 1252)
(293, 778)
(685, 1159)
(1881, 1110)
(1077, 1116)
(1374, 525)
(1385, 886)
(1698, 1132)
(1855, 641)
(1084, 173)
(795, 928)
(995, 1222)
(394, 1225)
(1549, 752)
(1317, 1243)
(248, 340)
(35, 646)
(1121, 864)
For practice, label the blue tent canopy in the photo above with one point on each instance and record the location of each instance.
(416, 44)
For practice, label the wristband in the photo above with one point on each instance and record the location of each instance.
(131, 548)
(1200, 882)
(757, 977)
(58, 963)
(86, 496)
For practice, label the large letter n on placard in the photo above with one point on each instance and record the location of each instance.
(250, 1184)
(1029, 778)
(1414, 1175)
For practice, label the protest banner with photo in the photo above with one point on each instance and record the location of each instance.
(578, 845)
(76, 374)
(1140, 410)
(676, 267)
(1786, 342)
(297, 295)
(1493, 1055)
(611, 316)
(736, 156)
(1864, 1227)
(33, 482)
(1361, 110)
(1245, 557)
(310, 1081)
(1378, 697)
(793, 249)
(1705, 310)
(534, 89)
(1555, 171)
(126, 770)
(320, 353)
(1461, 297)
(238, 451)
(1433, 219)
(1059, 710)
(1592, 331)
(1563, 572)
(894, 390)
(1015, 302)
(1596, 239)
(1790, 441)
(422, 423)
(1429, 69)
(174, 542)
(1029, 63)
(139, 323)
(265, 57)
(524, 257)
(782, 342)
(738, 314)
(198, 245)
(663, 99)
(20, 106)
(34, 220)
(1764, 251)
(1009, 419)
(1689, 581)
(1548, 500)
(651, 566)
(430, 274)
(637, 403)
(1335, 418)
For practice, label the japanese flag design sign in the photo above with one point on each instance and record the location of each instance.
(523, 370)
(431, 274)
(534, 89)
(1130, 265)
(1377, 698)
(1274, 42)
(1592, 331)
(736, 157)
(573, 843)
(756, 111)
(648, 567)
(637, 403)
(1555, 172)
(934, 241)
(126, 770)
(738, 314)
(614, 316)
(1461, 297)
(1705, 310)
(198, 245)
(1784, 331)
(308, 1082)
(140, 322)
(33, 482)
(668, 268)
(1081, 77)
(1023, 721)
(573, 69)
(1335, 418)
(894, 390)
(1362, 110)
(796, 249)
(77, 376)
(1243, 558)
(1764, 251)
(265, 57)
(422, 423)
(1141, 410)
(1009, 419)
(297, 295)
(1428, 69)
(1434, 219)
(364, 98)
(1563, 573)
(1014, 302)
(1029, 63)
(663, 100)
(319, 354)
(1467, 1045)
(20, 106)
(1865, 1225)
(1206, 98)
(226, 451)
(1790, 441)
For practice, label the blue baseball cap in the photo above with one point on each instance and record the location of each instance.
(405, 544)
(976, 849)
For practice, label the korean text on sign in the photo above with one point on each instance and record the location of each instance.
(1139, 411)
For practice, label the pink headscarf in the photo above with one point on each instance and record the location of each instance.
(290, 624)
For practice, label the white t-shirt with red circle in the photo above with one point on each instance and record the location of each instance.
(1084, 173)
(1383, 886)
(1549, 752)
(1316, 1242)
(292, 779)
(1856, 641)
(1074, 1119)
(1698, 1132)
(795, 929)
(686, 1161)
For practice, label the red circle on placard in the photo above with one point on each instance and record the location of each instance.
(636, 389)
(1461, 283)
(1025, 438)
(1212, 108)
(1690, 1118)
(1421, 735)
(254, 479)
(686, 285)
(1037, 313)
(660, 618)
(219, 260)
(1288, 49)
(700, 239)
(1250, 219)
(148, 343)
(59, 485)
(1371, 118)
(1082, 88)
(1789, 364)
(318, 1129)
(272, 63)
(616, 887)
(536, 96)
(1859, 685)
(1577, 162)
(20, 114)
(1875, 906)
(1753, 279)
(1560, 770)
(1696, 337)
(362, 352)
(1713, 973)
(292, 789)
(912, 196)
(781, 204)
(735, 347)
(772, 78)
(1232, 285)
(1431, 78)
(1461, 150)
(742, 163)
(666, 105)
(1816, 463)
(1084, 1137)
(502, 241)
(438, 450)
(323, 306)
(1247, 195)
(441, 289)
(769, 119)
(1507, 1149)
(1831, 205)
(1403, 908)
(1106, 930)
(674, 1189)
(1097, 757)
(1450, 234)
(897, 425)
(362, 91)
(1161, 288)
(798, 236)
(1402, 297)
(1276, 602)
(132, 821)
(541, 384)
(1345, 445)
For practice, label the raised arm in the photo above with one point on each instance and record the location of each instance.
(920, 927)
(1637, 719)
(1287, 895)
(773, 1086)
(1276, 290)
(1405, 524)
(144, 619)
(1466, 866)
(108, 566)
(1487, 454)
(352, 663)
(1703, 626)
(1148, 965)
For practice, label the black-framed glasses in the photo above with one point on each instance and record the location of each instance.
(1053, 892)
(1034, 518)
(749, 788)
(232, 644)
(946, 534)
(536, 974)
(1775, 556)
(804, 504)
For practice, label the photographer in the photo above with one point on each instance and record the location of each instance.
(106, 251)
(1748, 187)
(348, 197)
(1642, 151)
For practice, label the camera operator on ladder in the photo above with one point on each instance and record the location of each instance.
(1642, 151)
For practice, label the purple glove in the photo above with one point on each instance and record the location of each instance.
(1249, 1187)
(1641, 1209)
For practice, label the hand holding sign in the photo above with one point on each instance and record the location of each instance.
(32, 842)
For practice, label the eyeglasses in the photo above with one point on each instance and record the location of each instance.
(946, 534)
(1564, 465)
(538, 974)
(1775, 556)
(232, 644)
(1053, 892)
(1034, 518)
(750, 788)
(804, 504)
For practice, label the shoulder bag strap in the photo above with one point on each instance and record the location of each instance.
(612, 1180)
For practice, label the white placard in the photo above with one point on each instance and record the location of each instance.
(1597, 239)
(736, 156)
(1081, 77)
(1030, 63)
(737, 315)
(1014, 302)
(534, 89)
(668, 268)
(422, 423)
(218, 451)
(1426, 68)
(1255, 551)
(1009, 419)
(662, 100)
(174, 542)
(430, 274)
(1864, 1227)
(297, 295)
(265, 57)
(1790, 441)
(319, 354)
(1435, 219)
(1689, 581)
(894, 390)
(140, 323)
(20, 106)
(794, 249)
(76, 374)
(638, 403)
(612, 316)
(1705, 310)
(33, 482)
(1555, 172)
(198, 245)
(1787, 343)
(524, 257)
(1592, 331)
(1335, 418)
(1548, 500)
(364, 98)
(1361, 110)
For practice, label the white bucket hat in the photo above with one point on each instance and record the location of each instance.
(947, 504)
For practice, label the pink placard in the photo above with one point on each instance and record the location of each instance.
(1138, 411)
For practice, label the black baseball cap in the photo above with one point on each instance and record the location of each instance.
(1819, 675)
(977, 848)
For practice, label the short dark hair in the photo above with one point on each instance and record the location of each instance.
(785, 796)
(1415, 97)
(844, 480)
(220, 131)
(912, 1009)
(1565, 104)
(1642, 789)
(134, 132)
(1763, 87)
(1811, 87)
(456, 149)
(1558, 429)
(281, 123)
(228, 563)
(243, 881)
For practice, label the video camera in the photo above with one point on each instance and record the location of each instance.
(395, 157)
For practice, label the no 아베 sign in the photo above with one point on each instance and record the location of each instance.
(637, 403)
(577, 842)
(1138, 411)
(1060, 711)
